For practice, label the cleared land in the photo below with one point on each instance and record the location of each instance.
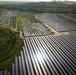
(58, 22)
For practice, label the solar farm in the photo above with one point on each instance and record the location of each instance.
(8, 18)
(44, 52)
(58, 22)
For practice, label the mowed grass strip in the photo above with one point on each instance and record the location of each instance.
(10, 46)
(69, 16)
(18, 21)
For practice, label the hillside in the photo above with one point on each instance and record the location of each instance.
(41, 7)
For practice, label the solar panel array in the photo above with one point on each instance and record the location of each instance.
(46, 55)
(33, 29)
(58, 22)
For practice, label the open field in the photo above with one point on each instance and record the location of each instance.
(70, 16)
(18, 21)
(58, 22)
(10, 46)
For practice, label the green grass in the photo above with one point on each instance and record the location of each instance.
(72, 32)
(10, 46)
(72, 17)
(18, 22)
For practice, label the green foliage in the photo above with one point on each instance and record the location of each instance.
(18, 22)
(43, 7)
(48, 7)
(10, 46)
(72, 16)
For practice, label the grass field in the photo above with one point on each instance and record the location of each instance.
(10, 46)
(18, 21)
(69, 16)
(72, 15)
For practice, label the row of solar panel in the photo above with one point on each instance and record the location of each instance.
(46, 55)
